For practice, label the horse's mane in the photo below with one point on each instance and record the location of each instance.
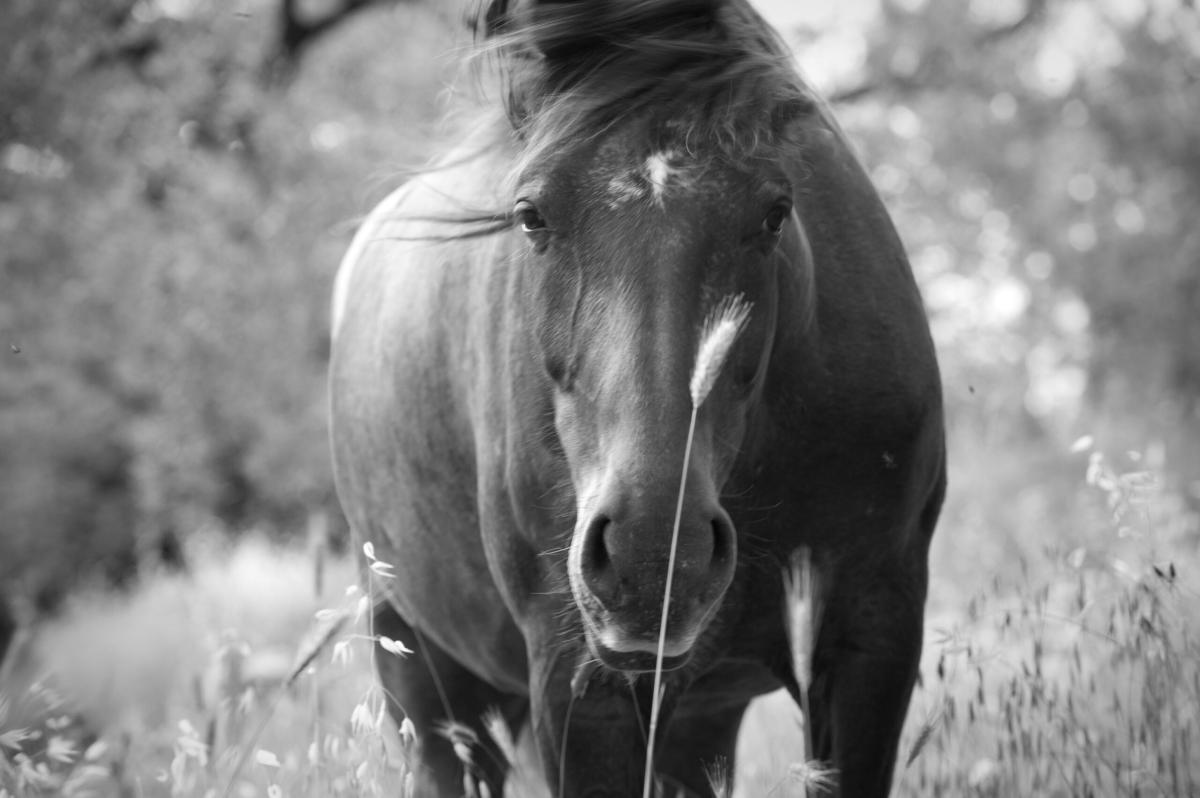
(702, 70)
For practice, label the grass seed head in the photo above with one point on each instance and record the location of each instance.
(719, 778)
(932, 721)
(498, 729)
(330, 627)
(813, 776)
(723, 326)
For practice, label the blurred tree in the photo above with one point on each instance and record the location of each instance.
(297, 29)
(1047, 175)
(171, 224)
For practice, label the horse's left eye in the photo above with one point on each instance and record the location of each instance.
(530, 219)
(773, 221)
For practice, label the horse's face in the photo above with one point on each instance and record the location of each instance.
(631, 247)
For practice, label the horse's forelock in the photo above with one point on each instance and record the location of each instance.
(567, 31)
(555, 23)
(703, 73)
(571, 68)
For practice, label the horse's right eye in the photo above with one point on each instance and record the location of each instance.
(774, 220)
(530, 219)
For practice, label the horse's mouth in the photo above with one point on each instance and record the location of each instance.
(635, 661)
(619, 650)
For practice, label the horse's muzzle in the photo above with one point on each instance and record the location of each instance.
(619, 570)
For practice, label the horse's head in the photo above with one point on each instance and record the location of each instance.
(652, 185)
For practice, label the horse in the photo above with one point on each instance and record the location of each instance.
(514, 334)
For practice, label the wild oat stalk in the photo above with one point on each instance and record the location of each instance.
(721, 329)
(329, 626)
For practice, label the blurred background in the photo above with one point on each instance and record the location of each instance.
(179, 178)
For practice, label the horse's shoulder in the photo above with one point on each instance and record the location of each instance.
(375, 230)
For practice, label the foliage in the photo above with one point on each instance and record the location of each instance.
(1081, 685)
(173, 214)
(181, 732)
(1040, 158)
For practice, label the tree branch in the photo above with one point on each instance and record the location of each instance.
(1034, 11)
(927, 73)
(297, 33)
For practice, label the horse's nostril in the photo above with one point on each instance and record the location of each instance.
(724, 541)
(595, 549)
(597, 565)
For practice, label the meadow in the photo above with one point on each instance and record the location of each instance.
(1065, 672)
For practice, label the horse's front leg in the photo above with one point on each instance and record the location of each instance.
(866, 662)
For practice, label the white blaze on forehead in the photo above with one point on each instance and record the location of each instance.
(652, 178)
(623, 188)
(658, 172)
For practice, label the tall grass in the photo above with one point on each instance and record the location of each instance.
(1090, 690)
(1079, 677)
(282, 703)
(721, 331)
(1074, 674)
